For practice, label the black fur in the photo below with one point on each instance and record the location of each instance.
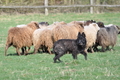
(44, 23)
(73, 46)
(101, 24)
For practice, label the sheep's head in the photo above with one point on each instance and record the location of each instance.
(100, 24)
(44, 23)
(96, 26)
(88, 22)
(117, 29)
(79, 25)
(34, 25)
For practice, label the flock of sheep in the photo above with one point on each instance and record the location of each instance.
(43, 36)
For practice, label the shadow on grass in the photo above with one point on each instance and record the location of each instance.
(15, 54)
(30, 53)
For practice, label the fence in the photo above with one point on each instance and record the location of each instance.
(46, 6)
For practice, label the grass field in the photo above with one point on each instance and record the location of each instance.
(99, 66)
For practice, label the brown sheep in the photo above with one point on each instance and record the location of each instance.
(67, 31)
(21, 37)
(44, 40)
(54, 32)
(60, 32)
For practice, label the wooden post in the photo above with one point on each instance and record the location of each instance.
(98, 8)
(91, 8)
(46, 4)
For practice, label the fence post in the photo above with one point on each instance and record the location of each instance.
(46, 4)
(91, 8)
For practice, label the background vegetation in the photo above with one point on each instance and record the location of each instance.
(99, 66)
(58, 2)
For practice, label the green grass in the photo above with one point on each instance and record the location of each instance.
(99, 66)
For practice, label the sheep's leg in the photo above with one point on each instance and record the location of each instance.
(86, 50)
(43, 49)
(23, 50)
(49, 50)
(107, 48)
(26, 51)
(6, 48)
(35, 49)
(46, 50)
(95, 47)
(85, 54)
(103, 48)
(112, 47)
(39, 51)
(91, 49)
(17, 50)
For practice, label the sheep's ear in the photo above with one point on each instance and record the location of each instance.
(81, 24)
(36, 24)
(83, 34)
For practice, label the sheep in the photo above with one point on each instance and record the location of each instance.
(118, 28)
(100, 24)
(88, 22)
(54, 32)
(60, 32)
(44, 40)
(74, 46)
(103, 39)
(113, 32)
(107, 37)
(43, 24)
(39, 39)
(67, 30)
(21, 37)
(91, 35)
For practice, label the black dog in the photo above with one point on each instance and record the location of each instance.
(74, 46)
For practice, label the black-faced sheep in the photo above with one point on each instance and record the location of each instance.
(88, 22)
(43, 24)
(21, 37)
(101, 24)
(91, 35)
(74, 46)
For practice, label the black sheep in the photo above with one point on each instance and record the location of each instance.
(74, 46)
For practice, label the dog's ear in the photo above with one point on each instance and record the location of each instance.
(79, 34)
(83, 34)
